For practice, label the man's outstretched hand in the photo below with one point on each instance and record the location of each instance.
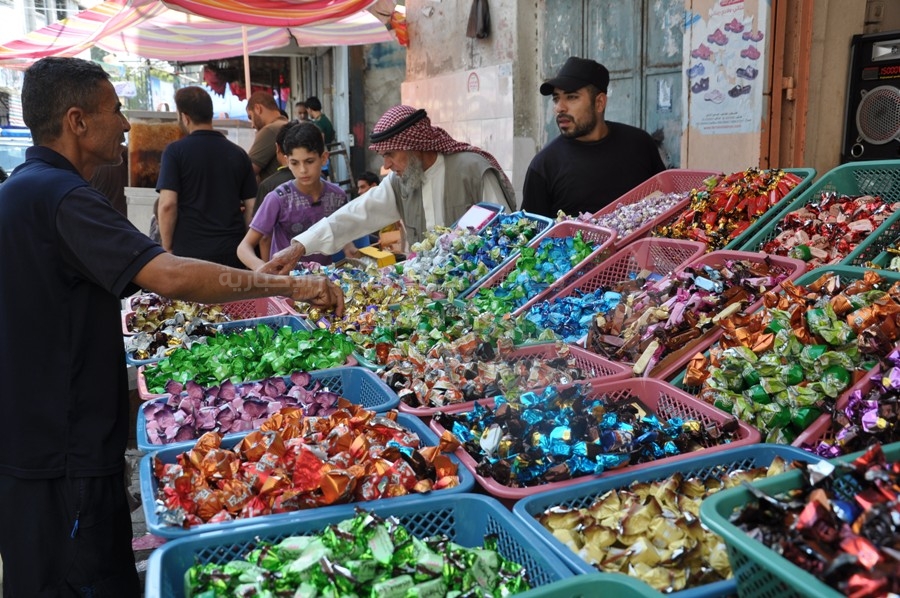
(319, 292)
(285, 260)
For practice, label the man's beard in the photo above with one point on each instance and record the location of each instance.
(581, 128)
(413, 177)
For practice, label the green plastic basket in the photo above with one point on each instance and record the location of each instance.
(760, 571)
(593, 585)
(880, 177)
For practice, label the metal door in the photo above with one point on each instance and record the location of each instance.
(640, 42)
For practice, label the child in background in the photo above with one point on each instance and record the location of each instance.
(296, 205)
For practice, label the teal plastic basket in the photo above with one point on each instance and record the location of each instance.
(758, 570)
(357, 385)
(149, 486)
(613, 585)
(702, 465)
(464, 518)
(879, 177)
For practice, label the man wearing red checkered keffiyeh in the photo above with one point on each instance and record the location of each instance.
(434, 180)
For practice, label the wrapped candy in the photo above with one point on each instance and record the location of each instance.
(841, 524)
(663, 319)
(825, 231)
(191, 410)
(651, 530)
(718, 215)
(867, 417)
(534, 271)
(362, 556)
(259, 352)
(294, 462)
(150, 312)
(628, 218)
(783, 366)
(566, 432)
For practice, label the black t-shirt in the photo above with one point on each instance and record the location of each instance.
(68, 257)
(212, 177)
(576, 176)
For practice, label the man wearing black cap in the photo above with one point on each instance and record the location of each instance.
(592, 162)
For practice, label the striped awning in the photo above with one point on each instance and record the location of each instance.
(150, 29)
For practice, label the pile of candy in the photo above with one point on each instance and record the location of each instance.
(232, 408)
(535, 270)
(778, 368)
(362, 556)
(718, 215)
(652, 530)
(868, 417)
(841, 525)
(570, 317)
(150, 312)
(253, 354)
(174, 333)
(568, 432)
(375, 333)
(294, 462)
(825, 231)
(364, 288)
(628, 218)
(645, 326)
(450, 262)
(469, 370)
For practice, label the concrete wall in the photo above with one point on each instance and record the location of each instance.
(385, 70)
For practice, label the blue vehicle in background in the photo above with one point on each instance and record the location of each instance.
(13, 143)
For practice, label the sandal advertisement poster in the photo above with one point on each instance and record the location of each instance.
(724, 79)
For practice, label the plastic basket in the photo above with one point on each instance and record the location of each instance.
(592, 365)
(594, 585)
(675, 180)
(149, 488)
(880, 177)
(543, 225)
(235, 310)
(601, 239)
(704, 466)
(465, 518)
(759, 571)
(495, 208)
(662, 399)
(293, 322)
(790, 267)
(357, 385)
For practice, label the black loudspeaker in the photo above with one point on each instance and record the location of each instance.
(872, 118)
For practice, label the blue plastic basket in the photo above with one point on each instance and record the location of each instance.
(497, 209)
(356, 384)
(702, 465)
(544, 224)
(465, 518)
(592, 585)
(295, 323)
(149, 487)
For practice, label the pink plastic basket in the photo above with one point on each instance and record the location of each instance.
(235, 310)
(661, 256)
(593, 366)
(667, 181)
(601, 238)
(677, 360)
(663, 399)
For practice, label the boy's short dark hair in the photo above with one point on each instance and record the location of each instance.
(313, 103)
(369, 177)
(282, 134)
(305, 135)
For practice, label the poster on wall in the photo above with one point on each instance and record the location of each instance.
(726, 42)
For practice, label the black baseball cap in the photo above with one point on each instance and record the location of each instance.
(577, 73)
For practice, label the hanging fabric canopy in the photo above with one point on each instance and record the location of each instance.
(150, 29)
